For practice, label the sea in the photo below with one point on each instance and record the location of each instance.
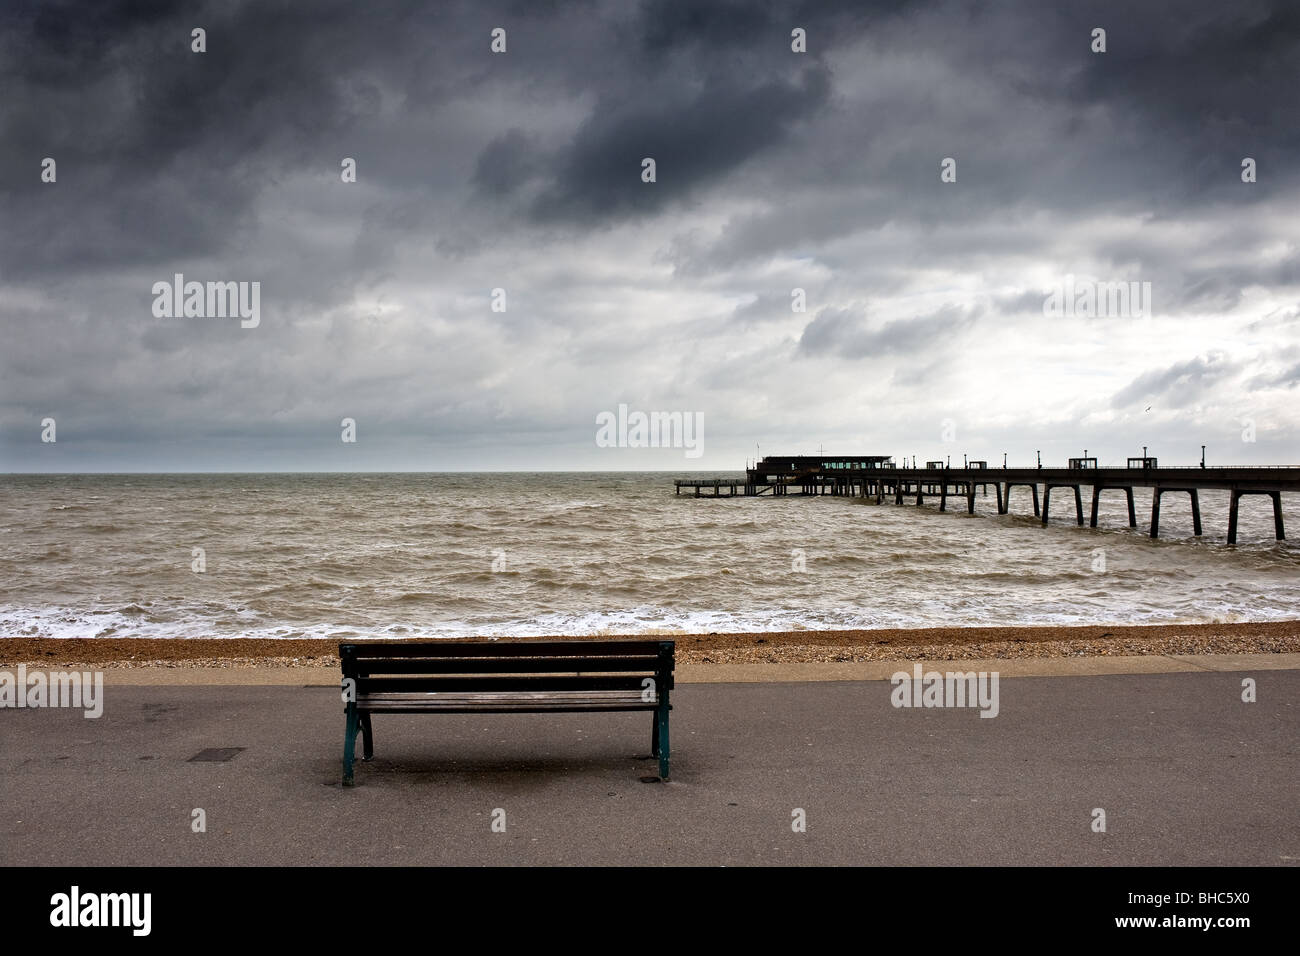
(511, 554)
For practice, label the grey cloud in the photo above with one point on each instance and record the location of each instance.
(1288, 378)
(1180, 384)
(843, 332)
(765, 307)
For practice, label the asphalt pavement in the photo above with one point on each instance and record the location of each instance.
(1184, 770)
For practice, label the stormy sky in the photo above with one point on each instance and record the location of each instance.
(923, 332)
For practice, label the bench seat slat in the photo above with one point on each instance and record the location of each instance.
(517, 707)
(505, 665)
(504, 648)
(539, 683)
(621, 695)
(552, 700)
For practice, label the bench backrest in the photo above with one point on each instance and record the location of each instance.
(508, 665)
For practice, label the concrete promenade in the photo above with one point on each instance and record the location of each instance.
(1186, 773)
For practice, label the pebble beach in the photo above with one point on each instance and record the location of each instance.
(782, 647)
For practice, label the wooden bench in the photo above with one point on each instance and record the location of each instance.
(504, 677)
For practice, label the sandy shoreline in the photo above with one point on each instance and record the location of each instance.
(785, 647)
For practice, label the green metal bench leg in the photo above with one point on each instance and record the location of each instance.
(654, 734)
(367, 739)
(349, 744)
(661, 727)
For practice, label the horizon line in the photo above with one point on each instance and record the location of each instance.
(1033, 466)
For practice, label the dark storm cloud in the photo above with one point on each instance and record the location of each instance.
(158, 149)
(666, 26)
(749, 26)
(174, 149)
(1204, 78)
(1036, 121)
(775, 170)
(693, 143)
(507, 163)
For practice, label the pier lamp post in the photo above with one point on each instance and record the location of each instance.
(1202, 456)
(1004, 461)
(963, 462)
(1040, 460)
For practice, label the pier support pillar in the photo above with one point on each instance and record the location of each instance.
(943, 497)
(1278, 530)
(1033, 490)
(1002, 507)
(1096, 500)
(1078, 501)
(1155, 509)
(970, 497)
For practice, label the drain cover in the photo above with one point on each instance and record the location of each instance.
(215, 754)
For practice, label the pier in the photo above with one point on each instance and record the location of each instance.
(879, 477)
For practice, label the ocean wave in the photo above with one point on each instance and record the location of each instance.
(589, 554)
